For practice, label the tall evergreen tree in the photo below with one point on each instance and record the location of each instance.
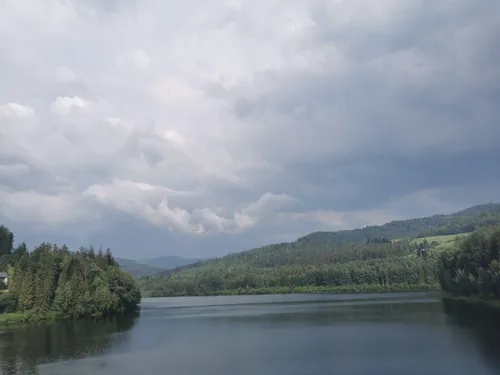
(71, 284)
(6, 240)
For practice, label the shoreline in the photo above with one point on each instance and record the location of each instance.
(30, 317)
(473, 301)
(314, 290)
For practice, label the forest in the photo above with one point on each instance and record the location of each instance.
(395, 256)
(52, 281)
(375, 258)
(282, 268)
(472, 269)
(466, 221)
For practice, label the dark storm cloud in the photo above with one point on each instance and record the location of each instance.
(399, 134)
(223, 116)
(365, 183)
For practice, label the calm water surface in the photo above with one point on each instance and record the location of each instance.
(382, 334)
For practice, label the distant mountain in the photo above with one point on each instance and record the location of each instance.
(169, 261)
(138, 270)
(357, 259)
(464, 221)
(478, 209)
(153, 266)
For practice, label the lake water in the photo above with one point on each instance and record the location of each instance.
(382, 334)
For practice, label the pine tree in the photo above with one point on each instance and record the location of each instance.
(6, 240)
(27, 292)
(72, 284)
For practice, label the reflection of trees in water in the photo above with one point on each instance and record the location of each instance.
(23, 348)
(481, 323)
(429, 313)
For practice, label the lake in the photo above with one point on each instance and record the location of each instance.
(382, 334)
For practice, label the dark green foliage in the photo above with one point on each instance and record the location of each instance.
(321, 247)
(137, 269)
(4, 262)
(473, 269)
(373, 266)
(363, 259)
(6, 240)
(51, 279)
(8, 302)
(379, 240)
(168, 262)
(465, 221)
(18, 252)
(26, 294)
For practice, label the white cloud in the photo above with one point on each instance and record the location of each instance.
(140, 59)
(156, 204)
(31, 207)
(64, 105)
(147, 201)
(13, 110)
(269, 203)
(195, 111)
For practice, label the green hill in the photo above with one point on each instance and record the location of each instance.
(465, 221)
(153, 266)
(444, 242)
(138, 270)
(361, 259)
(168, 262)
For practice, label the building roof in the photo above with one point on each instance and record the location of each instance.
(3, 275)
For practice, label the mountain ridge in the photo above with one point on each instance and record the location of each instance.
(462, 219)
(168, 261)
(416, 227)
(151, 266)
(363, 259)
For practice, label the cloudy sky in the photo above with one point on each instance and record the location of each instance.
(197, 128)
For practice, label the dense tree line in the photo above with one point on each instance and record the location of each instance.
(367, 258)
(473, 268)
(331, 247)
(378, 265)
(53, 280)
(467, 223)
(297, 253)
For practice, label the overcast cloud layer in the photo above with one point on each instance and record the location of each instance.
(203, 127)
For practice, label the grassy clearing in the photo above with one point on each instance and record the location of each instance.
(442, 242)
(24, 317)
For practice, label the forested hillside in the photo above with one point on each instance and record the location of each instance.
(473, 268)
(465, 221)
(168, 262)
(153, 266)
(138, 270)
(373, 258)
(388, 266)
(52, 281)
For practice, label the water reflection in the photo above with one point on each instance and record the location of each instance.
(479, 323)
(385, 335)
(23, 348)
(428, 313)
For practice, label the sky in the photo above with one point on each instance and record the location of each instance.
(199, 128)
